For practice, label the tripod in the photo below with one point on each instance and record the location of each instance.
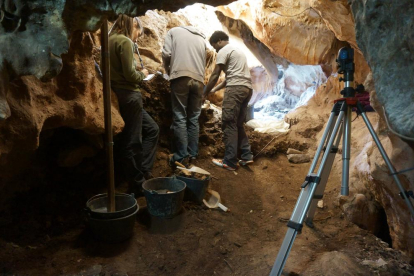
(339, 124)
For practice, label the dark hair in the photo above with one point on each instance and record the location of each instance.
(217, 36)
(123, 25)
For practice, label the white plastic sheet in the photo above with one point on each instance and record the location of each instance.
(269, 126)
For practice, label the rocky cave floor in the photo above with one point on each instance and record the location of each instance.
(42, 231)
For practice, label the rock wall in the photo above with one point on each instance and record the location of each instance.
(385, 35)
(291, 29)
(73, 99)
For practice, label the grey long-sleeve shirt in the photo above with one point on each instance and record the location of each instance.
(184, 53)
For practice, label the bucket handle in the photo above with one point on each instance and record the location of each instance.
(87, 211)
(95, 196)
(86, 214)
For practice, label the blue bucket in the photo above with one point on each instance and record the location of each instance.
(164, 196)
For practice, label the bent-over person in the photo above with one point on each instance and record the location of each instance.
(238, 93)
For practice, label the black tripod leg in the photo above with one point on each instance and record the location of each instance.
(386, 159)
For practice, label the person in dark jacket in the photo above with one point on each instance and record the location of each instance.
(138, 140)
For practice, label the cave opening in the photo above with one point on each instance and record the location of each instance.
(383, 228)
(279, 86)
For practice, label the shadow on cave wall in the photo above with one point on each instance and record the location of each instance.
(52, 195)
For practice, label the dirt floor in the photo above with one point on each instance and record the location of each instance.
(42, 232)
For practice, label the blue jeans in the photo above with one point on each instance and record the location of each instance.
(186, 96)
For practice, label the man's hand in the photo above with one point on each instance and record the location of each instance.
(213, 80)
(145, 71)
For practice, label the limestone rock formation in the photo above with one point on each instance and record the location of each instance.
(386, 40)
(387, 43)
(291, 29)
(73, 99)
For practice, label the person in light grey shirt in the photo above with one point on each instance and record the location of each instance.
(184, 59)
(238, 93)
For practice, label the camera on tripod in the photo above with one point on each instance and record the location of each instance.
(346, 66)
(345, 60)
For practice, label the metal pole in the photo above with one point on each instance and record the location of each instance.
(346, 151)
(107, 113)
(304, 201)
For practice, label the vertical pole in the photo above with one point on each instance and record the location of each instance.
(107, 113)
(346, 150)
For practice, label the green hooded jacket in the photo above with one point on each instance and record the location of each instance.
(124, 74)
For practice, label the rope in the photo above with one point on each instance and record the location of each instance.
(403, 171)
(137, 51)
(110, 30)
(355, 117)
(393, 131)
(264, 147)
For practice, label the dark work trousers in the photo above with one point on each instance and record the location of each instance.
(138, 141)
(234, 109)
(186, 96)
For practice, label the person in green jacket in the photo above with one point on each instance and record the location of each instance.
(139, 138)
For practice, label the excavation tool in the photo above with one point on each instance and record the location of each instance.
(212, 200)
(339, 124)
(192, 169)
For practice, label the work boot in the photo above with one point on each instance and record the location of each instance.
(245, 162)
(148, 175)
(135, 186)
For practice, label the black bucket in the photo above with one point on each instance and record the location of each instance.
(164, 196)
(196, 188)
(113, 230)
(111, 226)
(125, 204)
